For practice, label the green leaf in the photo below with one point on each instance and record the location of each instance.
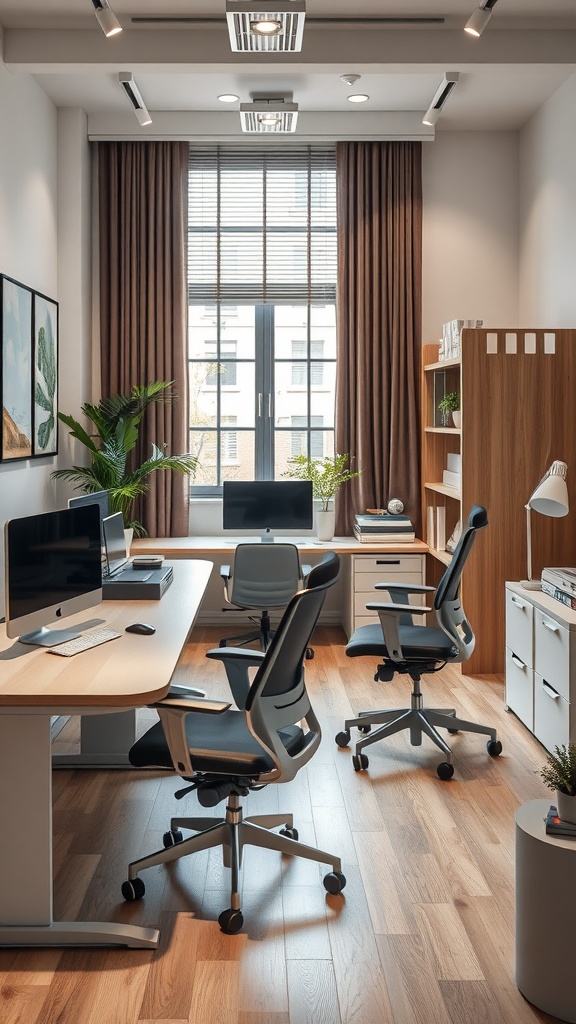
(45, 432)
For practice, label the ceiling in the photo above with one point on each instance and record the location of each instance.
(183, 63)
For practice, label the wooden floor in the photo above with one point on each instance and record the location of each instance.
(423, 933)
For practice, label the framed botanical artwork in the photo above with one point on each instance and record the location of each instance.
(45, 376)
(16, 370)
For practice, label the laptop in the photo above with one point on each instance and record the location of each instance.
(117, 566)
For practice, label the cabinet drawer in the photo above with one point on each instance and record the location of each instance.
(520, 627)
(551, 714)
(520, 688)
(365, 582)
(388, 565)
(552, 652)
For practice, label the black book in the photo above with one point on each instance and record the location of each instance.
(556, 827)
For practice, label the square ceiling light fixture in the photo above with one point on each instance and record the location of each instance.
(266, 26)
(269, 115)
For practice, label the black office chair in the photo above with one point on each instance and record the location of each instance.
(263, 576)
(227, 753)
(415, 651)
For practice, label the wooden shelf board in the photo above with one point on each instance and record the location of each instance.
(442, 556)
(444, 430)
(441, 365)
(449, 492)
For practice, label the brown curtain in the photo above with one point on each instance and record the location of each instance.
(143, 225)
(379, 197)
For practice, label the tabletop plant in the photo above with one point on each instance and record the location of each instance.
(559, 772)
(327, 474)
(449, 403)
(116, 425)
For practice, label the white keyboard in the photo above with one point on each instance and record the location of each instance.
(84, 642)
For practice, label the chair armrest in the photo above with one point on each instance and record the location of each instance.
(173, 712)
(179, 690)
(305, 571)
(405, 588)
(225, 572)
(237, 661)
(398, 609)
(391, 616)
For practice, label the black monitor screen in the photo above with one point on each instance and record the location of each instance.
(267, 505)
(53, 566)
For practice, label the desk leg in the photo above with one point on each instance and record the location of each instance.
(104, 742)
(26, 908)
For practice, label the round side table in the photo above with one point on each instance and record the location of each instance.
(545, 914)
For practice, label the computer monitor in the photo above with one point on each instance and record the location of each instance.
(114, 543)
(267, 505)
(100, 498)
(53, 570)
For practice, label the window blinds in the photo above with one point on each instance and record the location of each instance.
(262, 224)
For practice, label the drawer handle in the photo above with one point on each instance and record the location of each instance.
(387, 561)
(516, 600)
(518, 663)
(551, 626)
(549, 690)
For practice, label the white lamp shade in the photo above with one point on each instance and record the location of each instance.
(551, 495)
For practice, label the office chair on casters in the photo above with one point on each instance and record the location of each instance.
(263, 577)
(415, 651)
(225, 753)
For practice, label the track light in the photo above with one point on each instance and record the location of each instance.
(442, 93)
(126, 79)
(106, 18)
(479, 18)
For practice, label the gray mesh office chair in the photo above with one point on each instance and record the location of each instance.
(415, 650)
(227, 753)
(263, 577)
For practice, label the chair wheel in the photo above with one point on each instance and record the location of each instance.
(445, 770)
(343, 738)
(494, 748)
(453, 732)
(334, 882)
(231, 921)
(172, 837)
(309, 654)
(133, 889)
(290, 832)
(365, 729)
(359, 762)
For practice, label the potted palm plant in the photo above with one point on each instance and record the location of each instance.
(559, 773)
(327, 475)
(116, 421)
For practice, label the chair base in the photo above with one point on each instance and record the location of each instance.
(233, 833)
(417, 720)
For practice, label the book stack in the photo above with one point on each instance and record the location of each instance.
(452, 475)
(383, 528)
(561, 585)
(556, 827)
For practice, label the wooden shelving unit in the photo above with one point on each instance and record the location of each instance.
(517, 390)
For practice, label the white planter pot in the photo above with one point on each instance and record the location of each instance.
(129, 537)
(566, 807)
(325, 524)
(456, 417)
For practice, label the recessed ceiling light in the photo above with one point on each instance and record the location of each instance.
(228, 97)
(358, 97)
(266, 27)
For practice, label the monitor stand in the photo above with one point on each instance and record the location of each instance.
(48, 637)
(267, 536)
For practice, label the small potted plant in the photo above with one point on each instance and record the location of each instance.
(450, 403)
(327, 476)
(559, 773)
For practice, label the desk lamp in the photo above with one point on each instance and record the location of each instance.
(550, 498)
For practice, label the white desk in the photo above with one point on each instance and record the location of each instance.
(34, 685)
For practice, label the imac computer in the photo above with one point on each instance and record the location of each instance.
(53, 569)
(267, 505)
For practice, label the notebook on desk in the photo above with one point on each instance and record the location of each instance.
(120, 581)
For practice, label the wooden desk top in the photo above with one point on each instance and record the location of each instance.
(125, 673)
(193, 547)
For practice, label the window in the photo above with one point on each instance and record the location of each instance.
(262, 282)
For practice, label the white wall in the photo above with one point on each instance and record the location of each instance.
(547, 176)
(470, 230)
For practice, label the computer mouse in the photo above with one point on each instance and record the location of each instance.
(141, 627)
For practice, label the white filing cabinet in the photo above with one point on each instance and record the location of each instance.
(365, 571)
(541, 664)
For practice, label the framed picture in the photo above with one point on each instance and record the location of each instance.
(45, 377)
(16, 370)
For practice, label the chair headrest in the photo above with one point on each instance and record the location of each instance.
(478, 517)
